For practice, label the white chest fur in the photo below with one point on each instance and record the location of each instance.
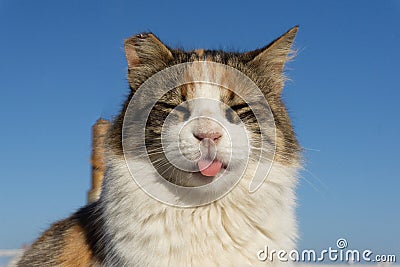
(142, 231)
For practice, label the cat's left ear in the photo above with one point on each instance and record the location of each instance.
(145, 55)
(268, 62)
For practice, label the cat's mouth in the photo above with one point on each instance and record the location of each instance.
(210, 168)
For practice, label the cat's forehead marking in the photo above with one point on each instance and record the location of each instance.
(205, 76)
(208, 73)
(199, 52)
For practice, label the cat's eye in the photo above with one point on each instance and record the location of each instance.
(239, 106)
(183, 110)
(232, 116)
(239, 112)
(232, 113)
(180, 110)
(166, 105)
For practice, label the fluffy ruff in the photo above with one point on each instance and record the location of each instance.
(142, 231)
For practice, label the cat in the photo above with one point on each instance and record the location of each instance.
(129, 227)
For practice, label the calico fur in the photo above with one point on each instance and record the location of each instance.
(126, 227)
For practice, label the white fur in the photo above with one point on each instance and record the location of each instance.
(228, 232)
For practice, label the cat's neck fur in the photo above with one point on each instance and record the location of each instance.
(142, 231)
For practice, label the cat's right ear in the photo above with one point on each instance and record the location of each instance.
(145, 55)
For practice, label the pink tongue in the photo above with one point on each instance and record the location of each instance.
(208, 168)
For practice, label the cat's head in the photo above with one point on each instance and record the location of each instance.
(199, 130)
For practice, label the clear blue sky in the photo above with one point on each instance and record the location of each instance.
(62, 66)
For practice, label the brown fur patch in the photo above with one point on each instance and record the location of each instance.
(76, 251)
(199, 52)
(64, 244)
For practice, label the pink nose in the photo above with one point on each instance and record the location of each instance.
(213, 136)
